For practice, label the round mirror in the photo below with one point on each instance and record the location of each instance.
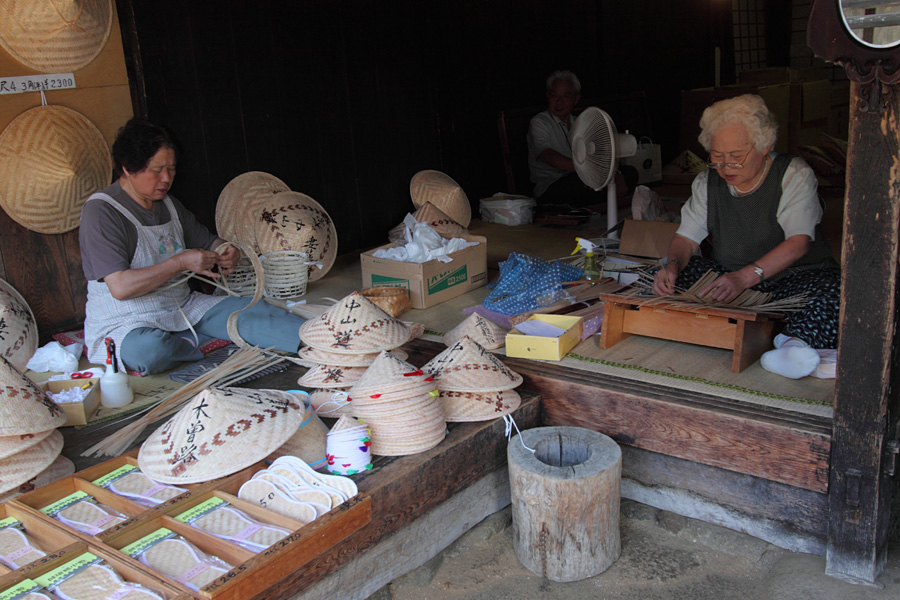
(875, 23)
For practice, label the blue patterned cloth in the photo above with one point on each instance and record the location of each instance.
(527, 283)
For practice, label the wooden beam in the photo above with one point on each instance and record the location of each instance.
(867, 378)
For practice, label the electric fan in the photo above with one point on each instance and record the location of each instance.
(596, 150)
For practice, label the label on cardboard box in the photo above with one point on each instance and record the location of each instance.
(385, 281)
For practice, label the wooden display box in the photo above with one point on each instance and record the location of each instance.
(127, 568)
(252, 572)
(44, 536)
(77, 413)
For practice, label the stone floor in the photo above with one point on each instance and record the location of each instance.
(664, 556)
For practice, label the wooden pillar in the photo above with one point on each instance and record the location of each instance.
(867, 379)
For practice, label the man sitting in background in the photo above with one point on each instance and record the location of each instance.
(550, 150)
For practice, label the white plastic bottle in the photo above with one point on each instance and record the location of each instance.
(115, 390)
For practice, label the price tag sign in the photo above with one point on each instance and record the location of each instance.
(36, 83)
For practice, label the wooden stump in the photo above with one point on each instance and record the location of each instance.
(565, 501)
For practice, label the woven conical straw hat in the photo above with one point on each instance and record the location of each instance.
(467, 367)
(60, 468)
(308, 442)
(331, 403)
(345, 422)
(388, 373)
(331, 376)
(436, 218)
(21, 334)
(51, 159)
(220, 432)
(482, 330)
(22, 466)
(354, 326)
(440, 190)
(236, 200)
(294, 221)
(310, 357)
(55, 36)
(13, 444)
(24, 407)
(462, 407)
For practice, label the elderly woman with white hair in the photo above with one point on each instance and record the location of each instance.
(761, 213)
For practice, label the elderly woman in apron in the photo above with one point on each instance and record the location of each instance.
(135, 239)
(761, 212)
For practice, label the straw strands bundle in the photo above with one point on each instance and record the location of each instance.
(752, 300)
(245, 362)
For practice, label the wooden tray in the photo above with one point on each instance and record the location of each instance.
(45, 536)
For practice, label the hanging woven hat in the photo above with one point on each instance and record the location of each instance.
(51, 159)
(311, 357)
(54, 36)
(479, 406)
(235, 204)
(467, 367)
(220, 432)
(60, 468)
(25, 408)
(22, 466)
(21, 334)
(331, 376)
(444, 193)
(354, 326)
(436, 219)
(308, 442)
(388, 373)
(294, 221)
(482, 330)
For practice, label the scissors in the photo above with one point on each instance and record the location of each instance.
(85, 375)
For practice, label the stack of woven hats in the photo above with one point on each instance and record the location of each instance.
(29, 441)
(400, 405)
(481, 329)
(260, 210)
(341, 344)
(474, 385)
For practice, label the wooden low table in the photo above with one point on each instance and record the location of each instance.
(746, 333)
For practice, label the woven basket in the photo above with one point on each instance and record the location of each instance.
(391, 300)
(242, 279)
(286, 273)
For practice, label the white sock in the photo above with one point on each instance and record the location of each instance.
(792, 358)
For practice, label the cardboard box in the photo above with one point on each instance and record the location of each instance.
(546, 348)
(77, 413)
(646, 238)
(432, 282)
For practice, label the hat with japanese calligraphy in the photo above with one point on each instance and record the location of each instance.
(478, 406)
(310, 357)
(294, 221)
(18, 468)
(52, 159)
(60, 468)
(482, 330)
(331, 376)
(25, 408)
(235, 205)
(436, 219)
(18, 329)
(219, 432)
(354, 325)
(467, 366)
(443, 192)
(390, 374)
(52, 36)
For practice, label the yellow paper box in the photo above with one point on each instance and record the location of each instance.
(546, 348)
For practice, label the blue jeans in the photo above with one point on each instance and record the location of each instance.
(148, 350)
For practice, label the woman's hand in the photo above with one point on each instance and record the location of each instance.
(200, 262)
(727, 287)
(228, 259)
(664, 280)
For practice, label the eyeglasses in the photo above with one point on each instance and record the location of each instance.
(733, 165)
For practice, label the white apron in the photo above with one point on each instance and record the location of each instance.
(106, 317)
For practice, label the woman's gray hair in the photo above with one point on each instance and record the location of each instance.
(564, 76)
(750, 111)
